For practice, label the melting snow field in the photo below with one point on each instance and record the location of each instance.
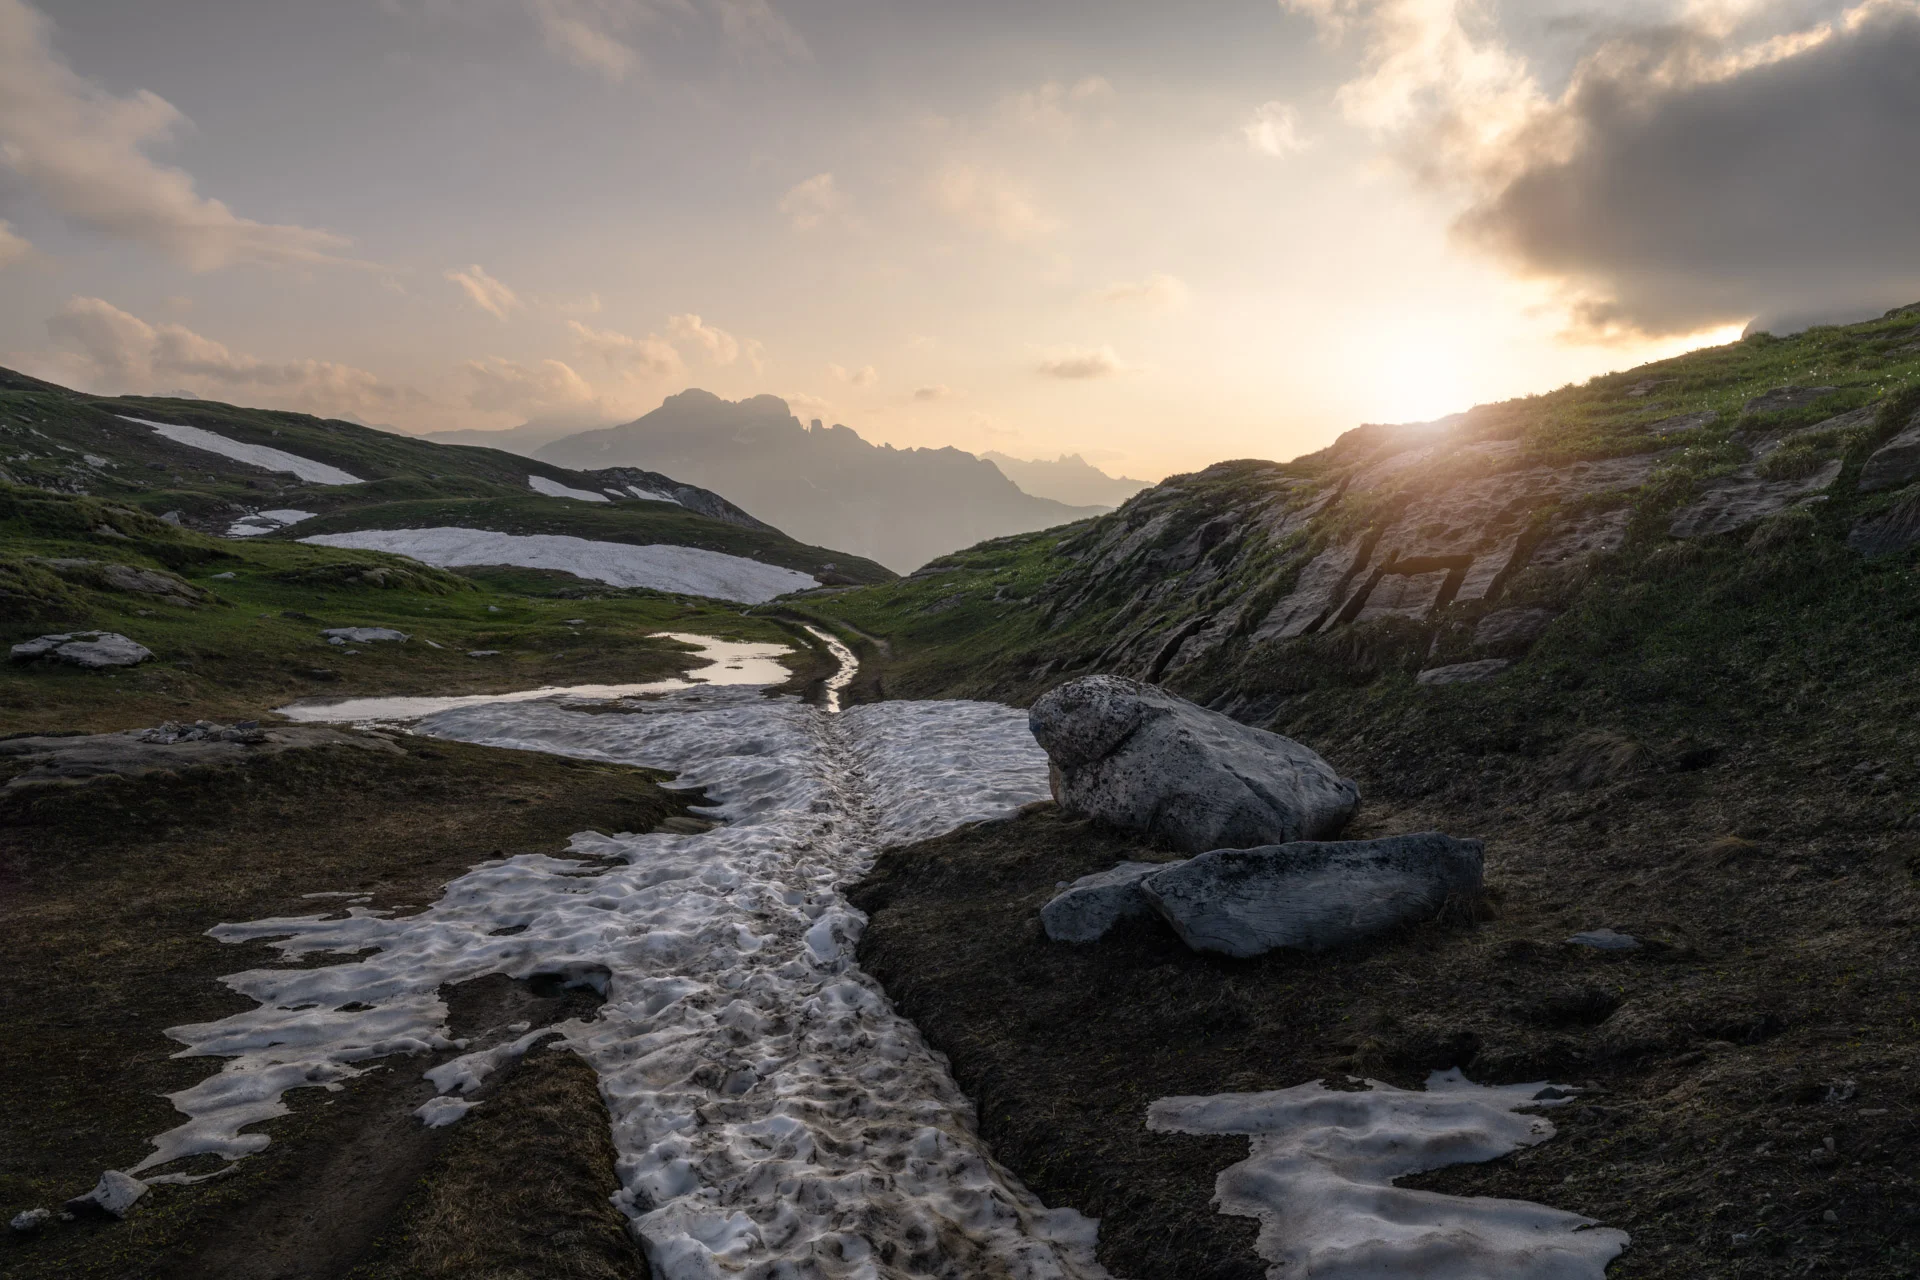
(554, 489)
(1323, 1161)
(659, 566)
(774, 1116)
(266, 522)
(258, 455)
(728, 662)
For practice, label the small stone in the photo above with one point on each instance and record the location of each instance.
(1464, 672)
(31, 1220)
(1604, 940)
(493, 608)
(1829, 1216)
(576, 622)
(223, 577)
(483, 653)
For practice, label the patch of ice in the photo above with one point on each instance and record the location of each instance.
(114, 1194)
(728, 662)
(554, 489)
(257, 455)
(267, 522)
(650, 495)
(437, 1113)
(656, 566)
(1321, 1172)
(28, 1220)
(773, 1114)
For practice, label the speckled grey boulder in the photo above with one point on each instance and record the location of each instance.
(1091, 905)
(1311, 895)
(91, 649)
(1144, 760)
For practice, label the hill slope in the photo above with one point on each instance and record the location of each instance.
(898, 506)
(250, 472)
(1652, 638)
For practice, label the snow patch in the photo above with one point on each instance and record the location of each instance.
(728, 662)
(257, 455)
(656, 566)
(267, 522)
(1323, 1162)
(554, 489)
(650, 495)
(438, 1113)
(774, 1115)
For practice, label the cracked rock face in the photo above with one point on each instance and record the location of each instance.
(1311, 895)
(1144, 760)
(91, 649)
(1894, 463)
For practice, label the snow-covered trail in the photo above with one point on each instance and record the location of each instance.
(775, 1117)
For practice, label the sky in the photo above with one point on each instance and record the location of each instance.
(1157, 235)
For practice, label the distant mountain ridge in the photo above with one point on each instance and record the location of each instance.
(1068, 478)
(901, 507)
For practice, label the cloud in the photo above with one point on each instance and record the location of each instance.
(13, 247)
(1692, 173)
(115, 350)
(606, 37)
(864, 377)
(721, 347)
(809, 204)
(938, 391)
(648, 357)
(988, 201)
(805, 403)
(1160, 292)
(486, 293)
(1051, 110)
(548, 389)
(81, 151)
(1274, 130)
(1080, 363)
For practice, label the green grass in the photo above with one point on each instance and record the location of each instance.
(255, 642)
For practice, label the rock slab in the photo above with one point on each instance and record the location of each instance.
(1091, 905)
(1144, 760)
(1311, 895)
(90, 649)
(1464, 672)
(362, 635)
(1894, 463)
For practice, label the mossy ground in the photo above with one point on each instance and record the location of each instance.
(106, 892)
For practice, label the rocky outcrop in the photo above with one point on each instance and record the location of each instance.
(1506, 632)
(362, 635)
(168, 587)
(167, 748)
(1782, 399)
(1745, 497)
(1895, 463)
(1890, 531)
(1310, 895)
(1145, 760)
(94, 650)
(1091, 905)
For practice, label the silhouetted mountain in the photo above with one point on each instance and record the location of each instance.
(901, 507)
(1067, 478)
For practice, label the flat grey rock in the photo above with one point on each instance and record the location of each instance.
(94, 650)
(1605, 940)
(1582, 537)
(1890, 532)
(483, 653)
(167, 748)
(1735, 501)
(362, 635)
(28, 1221)
(1510, 630)
(1091, 905)
(1145, 760)
(1311, 895)
(1403, 595)
(1895, 463)
(1464, 672)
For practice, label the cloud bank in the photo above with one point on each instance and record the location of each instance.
(1704, 170)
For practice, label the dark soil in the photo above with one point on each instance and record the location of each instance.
(106, 891)
(1754, 1107)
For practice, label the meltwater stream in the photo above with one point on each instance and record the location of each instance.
(774, 1116)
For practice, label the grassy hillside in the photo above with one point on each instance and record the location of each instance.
(238, 630)
(1712, 745)
(67, 442)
